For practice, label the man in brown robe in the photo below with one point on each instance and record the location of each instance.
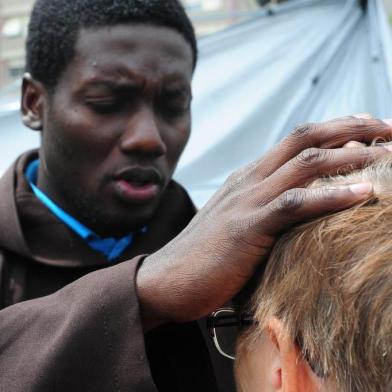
(103, 269)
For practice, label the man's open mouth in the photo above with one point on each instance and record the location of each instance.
(137, 184)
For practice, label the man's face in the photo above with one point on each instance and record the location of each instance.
(116, 125)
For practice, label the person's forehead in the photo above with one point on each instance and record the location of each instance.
(141, 49)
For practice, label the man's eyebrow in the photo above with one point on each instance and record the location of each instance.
(108, 84)
(111, 83)
(177, 88)
(173, 85)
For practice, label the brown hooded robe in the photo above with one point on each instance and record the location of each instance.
(70, 321)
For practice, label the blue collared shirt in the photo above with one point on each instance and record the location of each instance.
(111, 248)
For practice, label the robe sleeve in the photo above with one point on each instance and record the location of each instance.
(86, 337)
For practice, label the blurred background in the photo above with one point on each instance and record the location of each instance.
(264, 67)
(208, 17)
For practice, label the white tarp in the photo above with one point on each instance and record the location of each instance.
(308, 60)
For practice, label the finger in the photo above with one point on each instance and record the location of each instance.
(314, 163)
(297, 205)
(331, 134)
(335, 133)
(354, 144)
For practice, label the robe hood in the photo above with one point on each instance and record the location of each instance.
(11, 235)
(29, 229)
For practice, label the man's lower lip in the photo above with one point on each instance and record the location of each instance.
(136, 192)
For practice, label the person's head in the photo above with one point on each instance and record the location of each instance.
(323, 309)
(109, 88)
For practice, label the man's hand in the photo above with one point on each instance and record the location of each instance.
(213, 258)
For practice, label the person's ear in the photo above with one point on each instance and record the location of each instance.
(290, 373)
(33, 98)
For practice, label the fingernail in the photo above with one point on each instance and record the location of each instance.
(361, 189)
(353, 144)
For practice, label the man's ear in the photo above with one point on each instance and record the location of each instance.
(291, 372)
(33, 98)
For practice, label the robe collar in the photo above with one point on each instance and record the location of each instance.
(27, 228)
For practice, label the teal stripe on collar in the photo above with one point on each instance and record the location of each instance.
(111, 248)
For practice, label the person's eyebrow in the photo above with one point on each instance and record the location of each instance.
(179, 90)
(112, 85)
(177, 86)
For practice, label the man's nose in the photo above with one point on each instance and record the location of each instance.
(142, 134)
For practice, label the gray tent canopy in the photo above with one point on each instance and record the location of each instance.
(307, 60)
(299, 61)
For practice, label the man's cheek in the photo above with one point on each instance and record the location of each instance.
(181, 138)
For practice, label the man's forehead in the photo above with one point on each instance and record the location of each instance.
(128, 39)
(129, 52)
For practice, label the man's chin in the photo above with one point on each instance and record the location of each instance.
(122, 215)
(131, 219)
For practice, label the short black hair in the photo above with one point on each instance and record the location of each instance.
(55, 24)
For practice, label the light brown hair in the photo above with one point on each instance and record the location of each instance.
(330, 282)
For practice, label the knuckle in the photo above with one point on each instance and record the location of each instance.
(324, 195)
(364, 122)
(304, 131)
(357, 121)
(232, 178)
(311, 157)
(291, 200)
(232, 186)
(241, 175)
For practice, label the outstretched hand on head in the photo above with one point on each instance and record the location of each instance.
(213, 258)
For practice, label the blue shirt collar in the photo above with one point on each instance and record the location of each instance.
(111, 248)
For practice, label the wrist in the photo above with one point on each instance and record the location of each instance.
(149, 296)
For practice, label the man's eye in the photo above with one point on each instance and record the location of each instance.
(175, 109)
(104, 105)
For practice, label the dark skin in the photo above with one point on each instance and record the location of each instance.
(213, 258)
(115, 125)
